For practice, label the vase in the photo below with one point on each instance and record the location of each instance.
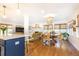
(3, 32)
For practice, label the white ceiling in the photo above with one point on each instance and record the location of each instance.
(63, 12)
(40, 1)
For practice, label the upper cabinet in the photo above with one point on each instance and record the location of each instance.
(60, 26)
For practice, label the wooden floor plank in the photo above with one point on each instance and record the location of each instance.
(36, 48)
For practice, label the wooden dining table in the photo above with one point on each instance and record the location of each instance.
(50, 39)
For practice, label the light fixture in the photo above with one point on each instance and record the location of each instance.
(4, 15)
(18, 8)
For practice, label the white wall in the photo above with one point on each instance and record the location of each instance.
(13, 20)
(74, 36)
(74, 41)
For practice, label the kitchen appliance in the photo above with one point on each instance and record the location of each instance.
(20, 29)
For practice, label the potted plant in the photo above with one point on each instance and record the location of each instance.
(65, 35)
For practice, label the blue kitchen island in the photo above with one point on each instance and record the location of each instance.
(12, 45)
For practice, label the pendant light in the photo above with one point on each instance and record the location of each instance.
(4, 15)
(18, 8)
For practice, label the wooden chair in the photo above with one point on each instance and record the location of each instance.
(60, 39)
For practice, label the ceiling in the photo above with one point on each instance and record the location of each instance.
(40, 1)
(37, 11)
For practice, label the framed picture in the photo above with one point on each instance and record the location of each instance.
(77, 20)
(74, 26)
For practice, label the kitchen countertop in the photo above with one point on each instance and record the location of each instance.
(11, 36)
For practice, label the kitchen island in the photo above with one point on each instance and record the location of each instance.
(12, 45)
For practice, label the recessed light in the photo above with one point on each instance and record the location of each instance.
(42, 11)
(50, 15)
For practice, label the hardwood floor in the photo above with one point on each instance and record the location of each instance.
(36, 48)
